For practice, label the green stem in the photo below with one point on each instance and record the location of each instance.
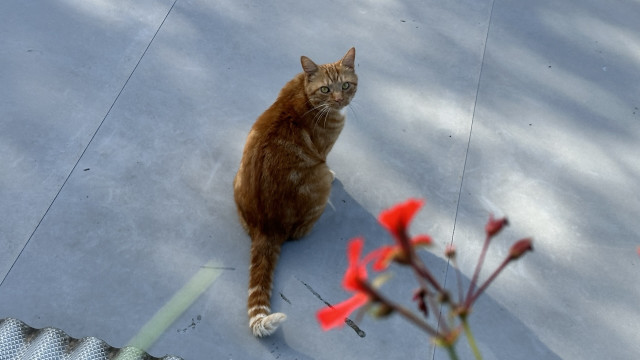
(470, 339)
(452, 352)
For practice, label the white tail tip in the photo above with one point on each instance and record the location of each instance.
(266, 325)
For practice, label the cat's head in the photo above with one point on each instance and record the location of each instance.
(332, 85)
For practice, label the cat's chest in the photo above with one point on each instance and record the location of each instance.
(324, 138)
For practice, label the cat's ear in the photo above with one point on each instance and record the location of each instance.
(308, 66)
(349, 59)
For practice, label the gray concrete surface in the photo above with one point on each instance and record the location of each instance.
(122, 125)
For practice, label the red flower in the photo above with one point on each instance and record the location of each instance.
(397, 218)
(357, 270)
(334, 316)
(354, 277)
(386, 254)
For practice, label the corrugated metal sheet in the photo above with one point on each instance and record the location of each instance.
(18, 341)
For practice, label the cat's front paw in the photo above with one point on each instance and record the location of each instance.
(333, 175)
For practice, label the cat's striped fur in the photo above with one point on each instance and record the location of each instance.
(283, 182)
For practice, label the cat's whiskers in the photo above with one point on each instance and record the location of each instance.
(326, 115)
(312, 107)
(320, 109)
(323, 109)
(352, 106)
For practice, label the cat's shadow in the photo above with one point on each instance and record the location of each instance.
(320, 257)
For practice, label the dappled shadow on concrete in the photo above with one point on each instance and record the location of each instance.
(150, 200)
(554, 139)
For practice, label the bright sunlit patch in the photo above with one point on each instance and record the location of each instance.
(167, 314)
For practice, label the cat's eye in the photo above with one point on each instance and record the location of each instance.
(324, 90)
(345, 86)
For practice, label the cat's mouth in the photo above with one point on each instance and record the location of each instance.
(338, 105)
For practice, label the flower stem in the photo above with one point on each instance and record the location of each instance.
(424, 272)
(476, 273)
(481, 289)
(470, 338)
(458, 279)
(406, 313)
(415, 262)
(451, 350)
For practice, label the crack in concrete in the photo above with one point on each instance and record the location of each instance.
(347, 321)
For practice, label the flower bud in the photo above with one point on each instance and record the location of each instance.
(383, 310)
(418, 296)
(450, 251)
(519, 248)
(494, 226)
(444, 297)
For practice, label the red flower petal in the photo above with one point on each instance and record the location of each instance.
(356, 271)
(383, 257)
(400, 215)
(354, 249)
(331, 317)
(421, 240)
(397, 218)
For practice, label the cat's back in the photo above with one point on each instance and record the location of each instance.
(283, 112)
(275, 142)
(278, 137)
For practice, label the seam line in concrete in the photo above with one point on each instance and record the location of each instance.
(466, 156)
(473, 116)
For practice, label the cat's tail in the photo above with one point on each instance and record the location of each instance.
(264, 256)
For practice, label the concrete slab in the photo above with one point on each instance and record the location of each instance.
(555, 147)
(149, 205)
(150, 201)
(62, 65)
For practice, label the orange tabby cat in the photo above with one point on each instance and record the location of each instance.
(283, 183)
